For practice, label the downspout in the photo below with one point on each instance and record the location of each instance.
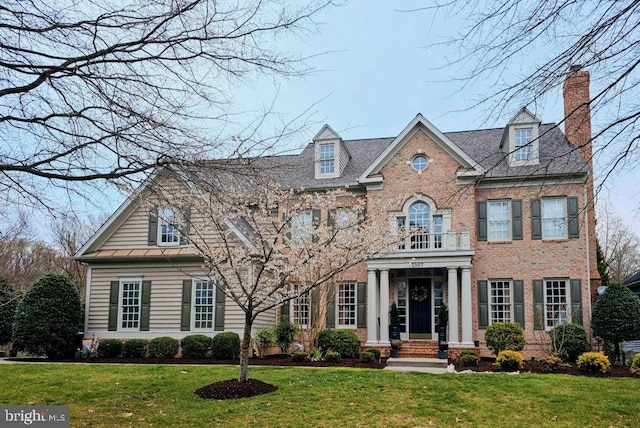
(87, 294)
(586, 212)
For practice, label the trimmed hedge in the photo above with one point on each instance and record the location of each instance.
(593, 362)
(569, 341)
(345, 342)
(225, 346)
(163, 347)
(299, 357)
(109, 348)
(468, 358)
(367, 357)
(333, 357)
(503, 336)
(510, 361)
(135, 348)
(195, 346)
(376, 352)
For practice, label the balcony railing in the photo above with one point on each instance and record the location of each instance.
(446, 241)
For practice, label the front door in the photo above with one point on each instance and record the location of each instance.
(420, 308)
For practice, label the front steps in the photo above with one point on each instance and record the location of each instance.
(413, 364)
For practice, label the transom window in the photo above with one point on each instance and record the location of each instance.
(346, 304)
(327, 159)
(500, 301)
(203, 302)
(300, 309)
(499, 220)
(555, 302)
(420, 163)
(130, 304)
(523, 146)
(553, 218)
(168, 232)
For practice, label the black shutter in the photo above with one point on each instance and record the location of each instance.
(516, 219)
(184, 230)
(518, 301)
(315, 216)
(145, 307)
(286, 227)
(185, 319)
(219, 310)
(576, 301)
(114, 294)
(482, 221)
(538, 304)
(536, 219)
(153, 226)
(284, 309)
(331, 218)
(362, 304)
(331, 308)
(572, 209)
(314, 306)
(483, 304)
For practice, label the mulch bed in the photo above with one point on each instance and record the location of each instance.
(230, 389)
(487, 365)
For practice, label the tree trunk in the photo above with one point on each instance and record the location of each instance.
(244, 352)
(616, 352)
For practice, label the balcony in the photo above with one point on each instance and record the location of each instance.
(437, 242)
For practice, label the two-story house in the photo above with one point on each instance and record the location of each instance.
(506, 232)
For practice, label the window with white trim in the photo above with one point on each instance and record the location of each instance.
(500, 301)
(168, 227)
(554, 218)
(346, 217)
(556, 299)
(300, 308)
(346, 301)
(419, 163)
(327, 158)
(523, 144)
(130, 304)
(301, 225)
(499, 220)
(203, 304)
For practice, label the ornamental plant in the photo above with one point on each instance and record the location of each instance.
(8, 305)
(135, 348)
(569, 341)
(593, 362)
(110, 348)
(510, 361)
(163, 347)
(635, 365)
(468, 358)
(225, 346)
(195, 346)
(502, 336)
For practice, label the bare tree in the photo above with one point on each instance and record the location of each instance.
(499, 38)
(104, 90)
(620, 245)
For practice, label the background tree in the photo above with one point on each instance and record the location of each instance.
(8, 304)
(109, 90)
(620, 245)
(48, 318)
(616, 317)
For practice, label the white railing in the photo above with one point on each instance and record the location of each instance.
(446, 241)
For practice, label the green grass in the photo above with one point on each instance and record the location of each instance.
(163, 396)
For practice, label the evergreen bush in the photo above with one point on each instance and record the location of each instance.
(367, 357)
(299, 357)
(195, 346)
(225, 346)
(593, 362)
(503, 336)
(333, 357)
(376, 352)
(8, 305)
(510, 360)
(635, 365)
(163, 347)
(550, 364)
(468, 358)
(109, 348)
(569, 341)
(285, 332)
(135, 348)
(345, 342)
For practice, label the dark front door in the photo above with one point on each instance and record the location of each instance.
(420, 308)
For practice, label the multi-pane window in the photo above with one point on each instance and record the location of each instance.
(523, 146)
(346, 217)
(420, 163)
(346, 302)
(203, 302)
(500, 301)
(130, 304)
(499, 221)
(300, 309)
(301, 223)
(168, 232)
(555, 302)
(553, 218)
(420, 218)
(327, 159)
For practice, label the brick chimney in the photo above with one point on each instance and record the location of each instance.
(577, 127)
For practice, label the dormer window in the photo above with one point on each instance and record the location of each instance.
(521, 139)
(327, 159)
(523, 144)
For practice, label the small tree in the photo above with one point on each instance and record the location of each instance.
(47, 318)
(501, 336)
(616, 317)
(8, 304)
(285, 332)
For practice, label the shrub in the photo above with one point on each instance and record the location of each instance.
(264, 339)
(367, 357)
(195, 346)
(510, 360)
(225, 346)
(163, 347)
(550, 364)
(468, 358)
(376, 352)
(569, 341)
(109, 348)
(285, 331)
(333, 357)
(83, 354)
(47, 318)
(503, 336)
(345, 342)
(135, 348)
(8, 305)
(635, 365)
(299, 357)
(593, 362)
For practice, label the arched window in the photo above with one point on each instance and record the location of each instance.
(429, 226)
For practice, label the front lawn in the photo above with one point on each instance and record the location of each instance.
(163, 396)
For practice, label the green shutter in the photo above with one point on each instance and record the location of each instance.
(482, 221)
(331, 218)
(518, 302)
(516, 219)
(152, 238)
(572, 210)
(315, 215)
(286, 227)
(146, 305)
(219, 310)
(284, 309)
(536, 219)
(362, 304)
(314, 306)
(331, 308)
(576, 301)
(538, 304)
(184, 230)
(114, 294)
(483, 304)
(185, 319)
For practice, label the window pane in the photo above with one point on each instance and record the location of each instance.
(553, 218)
(301, 309)
(499, 221)
(347, 304)
(169, 228)
(203, 302)
(555, 302)
(130, 304)
(327, 158)
(500, 301)
(301, 224)
(420, 218)
(523, 150)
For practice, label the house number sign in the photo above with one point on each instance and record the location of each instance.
(417, 264)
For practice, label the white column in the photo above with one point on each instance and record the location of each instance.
(384, 307)
(452, 287)
(372, 307)
(467, 310)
